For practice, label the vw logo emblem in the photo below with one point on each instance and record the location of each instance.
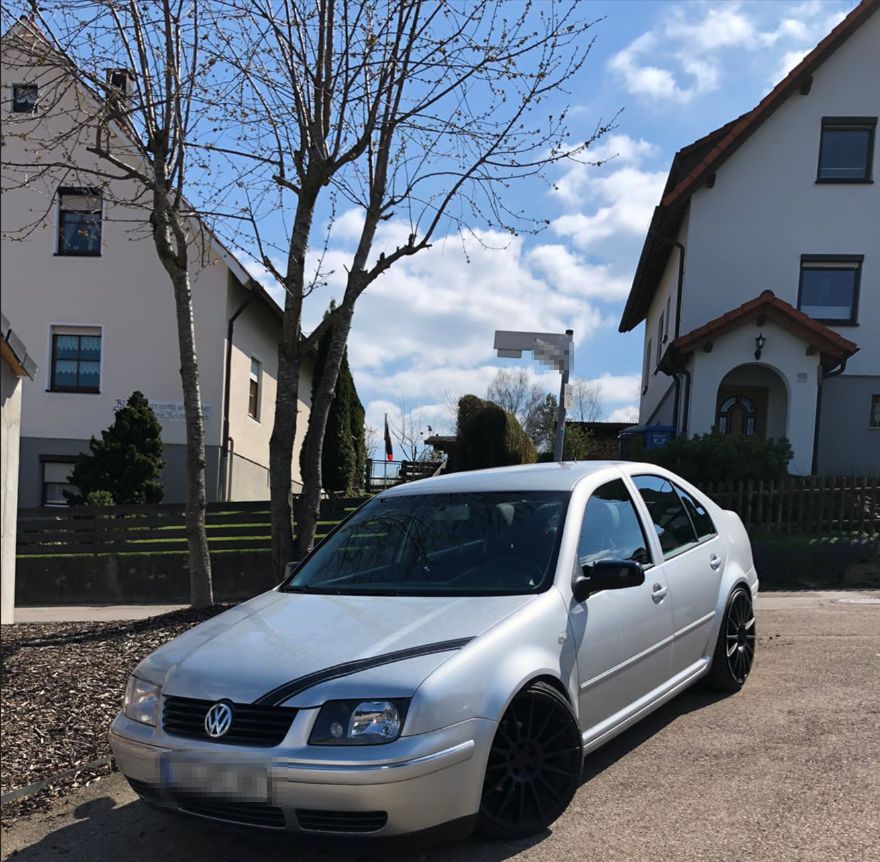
(218, 719)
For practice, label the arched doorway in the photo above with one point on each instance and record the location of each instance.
(752, 402)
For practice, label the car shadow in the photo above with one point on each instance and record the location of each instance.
(104, 829)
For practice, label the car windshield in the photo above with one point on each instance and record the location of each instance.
(440, 544)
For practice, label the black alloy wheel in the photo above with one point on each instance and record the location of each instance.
(735, 650)
(534, 765)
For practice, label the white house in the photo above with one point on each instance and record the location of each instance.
(89, 296)
(759, 279)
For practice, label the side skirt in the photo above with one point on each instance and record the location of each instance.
(617, 723)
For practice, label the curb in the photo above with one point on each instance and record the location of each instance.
(37, 786)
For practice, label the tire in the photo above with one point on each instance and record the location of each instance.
(735, 648)
(534, 765)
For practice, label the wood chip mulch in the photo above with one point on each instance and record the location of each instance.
(62, 685)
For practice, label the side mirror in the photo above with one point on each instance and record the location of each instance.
(607, 575)
(289, 568)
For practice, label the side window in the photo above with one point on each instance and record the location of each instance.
(699, 516)
(671, 521)
(611, 528)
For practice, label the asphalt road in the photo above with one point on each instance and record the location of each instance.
(788, 769)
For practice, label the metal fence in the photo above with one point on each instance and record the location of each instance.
(804, 504)
(386, 474)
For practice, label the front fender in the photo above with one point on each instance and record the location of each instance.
(481, 679)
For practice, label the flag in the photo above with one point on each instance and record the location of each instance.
(389, 452)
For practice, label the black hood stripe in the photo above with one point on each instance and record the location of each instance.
(295, 686)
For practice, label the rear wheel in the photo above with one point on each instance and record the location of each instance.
(534, 765)
(735, 649)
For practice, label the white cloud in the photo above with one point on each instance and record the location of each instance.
(626, 198)
(685, 55)
(624, 414)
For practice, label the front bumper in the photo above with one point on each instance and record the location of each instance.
(418, 782)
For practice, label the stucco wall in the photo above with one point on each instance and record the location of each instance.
(655, 383)
(848, 446)
(747, 234)
(10, 422)
(784, 354)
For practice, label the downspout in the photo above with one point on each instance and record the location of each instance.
(222, 477)
(841, 367)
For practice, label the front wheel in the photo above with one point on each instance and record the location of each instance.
(534, 765)
(735, 648)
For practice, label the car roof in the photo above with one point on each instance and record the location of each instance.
(554, 476)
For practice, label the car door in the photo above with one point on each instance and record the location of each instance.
(693, 562)
(622, 636)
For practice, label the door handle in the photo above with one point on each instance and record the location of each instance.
(714, 562)
(658, 592)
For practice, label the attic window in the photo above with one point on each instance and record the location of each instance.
(846, 150)
(24, 98)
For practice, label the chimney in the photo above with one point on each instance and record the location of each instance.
(120, 84)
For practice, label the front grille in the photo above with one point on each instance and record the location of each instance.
(251, 724)
(341, 821)
(244, 813)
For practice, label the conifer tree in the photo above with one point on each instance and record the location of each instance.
(126, 463)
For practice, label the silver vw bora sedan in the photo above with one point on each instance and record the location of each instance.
(448, 655)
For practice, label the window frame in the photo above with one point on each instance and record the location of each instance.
(259, 382)
(700, 539)
(857, 260)
(54, 333)
(660, 338)
(874, 425)
(15, 101)
(73, 191)
(53, 459)
(646, 365)
(870, 125)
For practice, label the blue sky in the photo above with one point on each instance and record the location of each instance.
(423, 333)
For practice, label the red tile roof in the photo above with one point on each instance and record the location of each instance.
(695, 164)
(832, 346)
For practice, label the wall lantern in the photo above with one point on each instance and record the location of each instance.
(760, 341)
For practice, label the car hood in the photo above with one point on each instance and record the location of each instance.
(262, 644)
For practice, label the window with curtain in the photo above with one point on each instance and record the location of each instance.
(76, 360)
(80, 213)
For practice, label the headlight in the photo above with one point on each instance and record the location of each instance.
(359, 722)
(142, 701)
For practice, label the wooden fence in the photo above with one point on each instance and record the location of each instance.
(804, 504)
(808, 504)
(151, 529)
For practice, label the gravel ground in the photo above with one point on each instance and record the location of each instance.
(62, 685)
(788, 770)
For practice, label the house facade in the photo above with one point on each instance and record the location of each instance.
(759, 279)
(90, 298)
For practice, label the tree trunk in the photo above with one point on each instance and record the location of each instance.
(308, 505)
(287, 392)
(201, 590)
(170, 241)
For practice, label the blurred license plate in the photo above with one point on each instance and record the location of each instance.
(237, 780)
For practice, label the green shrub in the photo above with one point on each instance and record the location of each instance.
(716, 457)
(488, 436)
(125, 465)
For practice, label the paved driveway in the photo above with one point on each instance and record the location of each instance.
(789, 769)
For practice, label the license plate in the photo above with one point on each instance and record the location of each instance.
(188, 774)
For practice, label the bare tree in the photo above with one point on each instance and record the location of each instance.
(518, 393)
(586, 405)
(420, 113)
(409, 432)
(119, 80)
